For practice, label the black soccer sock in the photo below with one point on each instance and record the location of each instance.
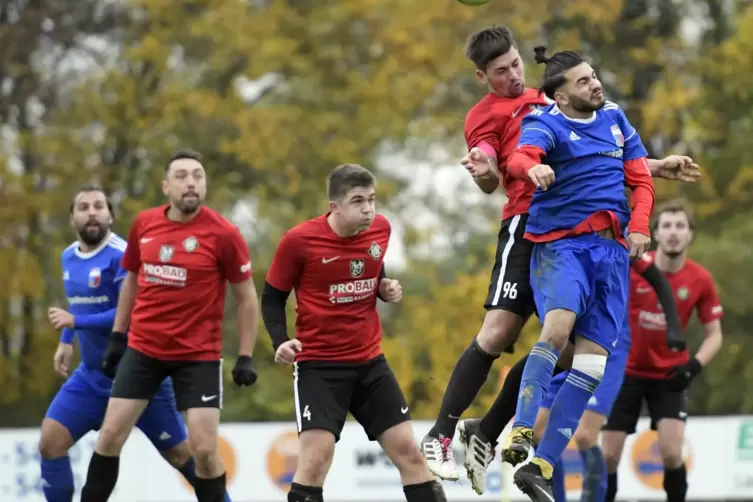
(210, 490)
(100, 478)
(303, 493)
(466, 380)
(676, 483)
(503, 409)
(430, 491)
(611, 487)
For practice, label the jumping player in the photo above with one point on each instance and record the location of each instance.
(492, 128)
(178, 260)
(655, 373)
(335, 264)
(584, 235)
(92, 277)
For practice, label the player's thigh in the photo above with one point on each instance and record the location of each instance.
(559, 280)
(74, 411)
(197, 384)
(322, 391)
(510, 287)
(138, 376)
(604, 318)
(626, 409)
(378, 402)
(666, 404)
(161, 421)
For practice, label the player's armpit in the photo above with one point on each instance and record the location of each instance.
(273, 313)
(247, 316)
(638, 179)
(523, 159)
(659, 283)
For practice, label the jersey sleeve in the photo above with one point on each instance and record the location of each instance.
(633, 148)
(482, 126)
(709, 307)
(642, 264)
(131, 261)
(235, 258)
(287, 263)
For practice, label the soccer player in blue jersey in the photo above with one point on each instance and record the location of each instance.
(92, 277)
(580, 152)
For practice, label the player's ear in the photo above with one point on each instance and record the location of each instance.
(164, 187)
(332, 206)
(481, 76)
(561, 98)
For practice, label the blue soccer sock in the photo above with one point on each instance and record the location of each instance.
(189, 472)
(57, 479)
(594, 475)
(568, 407)
(536, 378)
(558, 481)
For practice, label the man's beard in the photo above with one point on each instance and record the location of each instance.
(188, 208)
(585, 106)
(94, 236)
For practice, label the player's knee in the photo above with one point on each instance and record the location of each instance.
(671, 454)
(558, 324)
(317, 448)
(500, 329)
(586, 439)
(407, 456)
(592, 365)
(111, 439)
(54, 440)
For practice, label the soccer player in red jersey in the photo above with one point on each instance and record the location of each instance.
(335, 264)
(178, 258)
(654, 372)
(492, 128)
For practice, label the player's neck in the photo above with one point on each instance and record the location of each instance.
(669, 264)
(178, 216)
(338, 228)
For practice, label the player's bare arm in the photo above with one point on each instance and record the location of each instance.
(712, 342)
(675, 168)
(125, 302)
(247, 314)
(483, 168)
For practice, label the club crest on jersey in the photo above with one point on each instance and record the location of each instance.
(683, 293)
(619, 139)
(356, 268)
(166, 253)
(95, 277)
(375, 251)
(191, 244)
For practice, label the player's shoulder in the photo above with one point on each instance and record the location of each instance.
(150, 214)
(698, 271)
(216, 221)
(115, 244)
(69, 251)
(611, 109)
(381, 223)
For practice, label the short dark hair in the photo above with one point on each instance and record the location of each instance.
(92, 187)
(556, 67)
(346, 177)
(186, 153)
(674, 206)
(486, 45)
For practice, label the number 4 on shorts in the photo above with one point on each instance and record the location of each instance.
(306, 413)
(510, 290)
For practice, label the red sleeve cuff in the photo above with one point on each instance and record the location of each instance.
(523, 159)
(638, 178)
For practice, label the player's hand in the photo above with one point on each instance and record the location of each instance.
(244, 373)
(639, 244)
(286, 352)
(60, 318)
(116, 347)
(390, 290)
(62, 360)
(542, 176)
(678, 168)
(477, 162)
(680, 376)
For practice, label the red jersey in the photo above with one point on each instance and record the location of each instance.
(182, 269)
(336, 280)
(496, 120)
(693, 289)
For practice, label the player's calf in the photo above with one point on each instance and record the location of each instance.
(57, 474)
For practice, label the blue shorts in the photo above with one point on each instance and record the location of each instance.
(587, 275)
(81, 402)
(609, 388)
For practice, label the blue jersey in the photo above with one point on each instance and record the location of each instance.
(587, 157)
(92, 283)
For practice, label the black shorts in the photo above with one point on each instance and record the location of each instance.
(197, 384)
(662, 403)
(510, 285)
(325, 391)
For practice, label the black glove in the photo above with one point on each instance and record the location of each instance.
(243, 373)
(681, 375)
(116, 347)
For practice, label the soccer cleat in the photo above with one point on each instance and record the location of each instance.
(532, 482)
(519, 444)
(439, 457)
(478, 452)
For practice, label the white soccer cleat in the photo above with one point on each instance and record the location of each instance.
(478, 453)
(439, 457)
